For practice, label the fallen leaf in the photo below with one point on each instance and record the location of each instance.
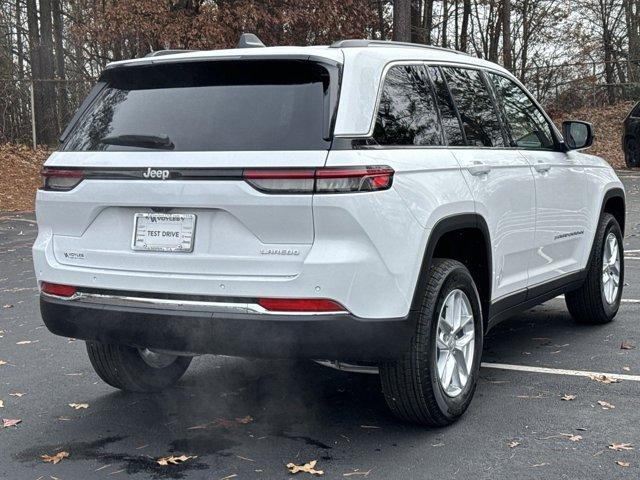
(514, 444)
(603, 378)
(78, 406)
(1, 404)
(8, 305)
(627, 345)
(2, 362)
(17, 394)
(306, 468)
(10, 422)
(619, 447)
(568, 398)
(55, 458)
(171, 460)
(626, 369)
(571, 437)
(622, 464)
(606, 405)
(245, 420)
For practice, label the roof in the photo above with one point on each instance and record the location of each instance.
(363, 62)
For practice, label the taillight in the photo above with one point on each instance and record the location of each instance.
(317, 305)
(281, 181)
(340, 180)
(61, 180)
(321, 180)
(58, 289)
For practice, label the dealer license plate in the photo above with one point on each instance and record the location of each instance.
(164, 232)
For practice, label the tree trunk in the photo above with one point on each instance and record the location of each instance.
(417, 32)
(58, 28)
(525, 40)
(445, 21)
(19, 44)
(428, 21)
(506, 34)
(381, 22)
(402, 20)
(464, 32)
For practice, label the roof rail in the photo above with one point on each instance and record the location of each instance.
(367, 43)
(160, 53)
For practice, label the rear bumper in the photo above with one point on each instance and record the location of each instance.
(328, 336)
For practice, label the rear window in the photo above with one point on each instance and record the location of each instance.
(208, 106)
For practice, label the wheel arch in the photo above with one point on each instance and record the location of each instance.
(614, 203)
(445, 238)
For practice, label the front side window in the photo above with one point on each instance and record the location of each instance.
(527, 124)
(407, 114)
(209, 106)
(475, 106)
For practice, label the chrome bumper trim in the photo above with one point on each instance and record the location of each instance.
(169, 304)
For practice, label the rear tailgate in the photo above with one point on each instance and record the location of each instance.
(209, 122)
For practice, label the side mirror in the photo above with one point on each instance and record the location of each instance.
(577, 135)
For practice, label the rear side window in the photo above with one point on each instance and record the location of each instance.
(208, 106)
(475, 105)
(527, 125)
(450, 121)
(407, 113)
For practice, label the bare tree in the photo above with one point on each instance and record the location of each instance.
(402, 20)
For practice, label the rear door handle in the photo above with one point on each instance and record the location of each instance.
(478, 168)
(542, 167)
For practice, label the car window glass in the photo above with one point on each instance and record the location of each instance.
(527, 124)
(407, 114)
(477, 111)
(450, 122)
(210, 106)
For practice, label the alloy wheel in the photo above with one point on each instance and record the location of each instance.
(455, 343)
(611, 268)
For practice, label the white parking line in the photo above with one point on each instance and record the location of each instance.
(559, 371)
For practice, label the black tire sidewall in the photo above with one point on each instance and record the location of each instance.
(631, 151)
(453, 407)
(610, 227)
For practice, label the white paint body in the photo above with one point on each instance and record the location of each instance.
(363, 250)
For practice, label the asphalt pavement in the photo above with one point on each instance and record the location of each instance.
(246, 419)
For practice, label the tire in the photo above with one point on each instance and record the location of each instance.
(631, 153)
(411, 385)
(125, 368)
(589, 304)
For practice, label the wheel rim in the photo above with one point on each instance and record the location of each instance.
(155, 359)
(611, 269)
(455, 345)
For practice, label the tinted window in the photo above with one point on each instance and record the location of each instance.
(526, 123)
(200, 106)
(450, 121)
(477, 111)
(407, 115)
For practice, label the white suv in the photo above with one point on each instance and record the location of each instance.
(373, 203)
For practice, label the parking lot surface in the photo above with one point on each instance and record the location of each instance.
(246, 419)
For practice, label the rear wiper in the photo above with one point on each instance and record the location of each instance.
(162, 142)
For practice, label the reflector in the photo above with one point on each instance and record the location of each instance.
(300, 305)
(58, 289)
